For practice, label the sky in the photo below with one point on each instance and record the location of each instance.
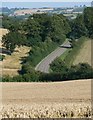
(45, 0)
(43, 3)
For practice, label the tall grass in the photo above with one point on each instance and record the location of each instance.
(73, 53)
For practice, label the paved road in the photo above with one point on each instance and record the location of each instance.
(44, 65)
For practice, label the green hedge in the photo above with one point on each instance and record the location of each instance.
(80, 71)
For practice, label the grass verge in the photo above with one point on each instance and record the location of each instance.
(84, 55)
(65, 54)
(75, 51)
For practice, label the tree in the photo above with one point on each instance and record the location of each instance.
(58, 66)
(60, 28)
(11, 23)
(32, 28)
(12, 39)
(80, 71)
(33, 77)
(88, 20)
(78, 28)
(27, 68)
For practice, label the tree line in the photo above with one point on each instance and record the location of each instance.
(35, 30)
(82, 25)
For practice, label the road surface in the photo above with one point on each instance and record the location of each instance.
(44, 65)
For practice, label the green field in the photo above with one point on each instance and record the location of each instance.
(69, 59)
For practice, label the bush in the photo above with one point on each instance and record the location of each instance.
(2, 57)
(34, 77)
(6, 79)
(80, 71)
(61, 71)
(58, 66)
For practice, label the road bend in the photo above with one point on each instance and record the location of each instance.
(44, 65)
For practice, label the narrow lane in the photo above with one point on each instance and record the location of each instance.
(44, 65)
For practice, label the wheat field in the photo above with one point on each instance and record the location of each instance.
(49, 100)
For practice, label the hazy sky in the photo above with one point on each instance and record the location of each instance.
(46, 0)
(43, 3)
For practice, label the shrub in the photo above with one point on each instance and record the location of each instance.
(58, 66)
(2, 57)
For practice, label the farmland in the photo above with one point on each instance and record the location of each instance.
(49, 98)
(31, 11)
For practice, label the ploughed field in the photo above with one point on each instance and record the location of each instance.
(52, 100)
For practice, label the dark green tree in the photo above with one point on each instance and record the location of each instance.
(78, 28)
(58, 66)
(12, 39)
(88, 20)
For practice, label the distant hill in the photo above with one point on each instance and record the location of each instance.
(8, 11)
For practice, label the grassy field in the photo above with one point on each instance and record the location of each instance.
(84, 54)
(3, 31)
(71, 56)
(60, 99)
(12, 63)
